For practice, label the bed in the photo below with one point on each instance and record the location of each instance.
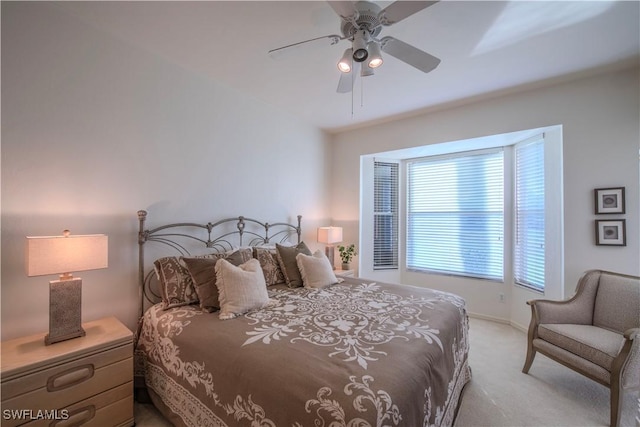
(355, 353)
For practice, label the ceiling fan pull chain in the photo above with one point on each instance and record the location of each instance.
(352, 77)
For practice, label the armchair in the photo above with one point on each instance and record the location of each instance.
(596, 332)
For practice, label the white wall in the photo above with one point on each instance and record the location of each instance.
(94, 129)
(600, 118)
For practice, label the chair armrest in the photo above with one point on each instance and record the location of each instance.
(575, 310)
(632, 333)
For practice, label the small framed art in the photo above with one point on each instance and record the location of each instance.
(610, 232)
(609, 200)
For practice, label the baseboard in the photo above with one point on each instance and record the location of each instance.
(500, 320)
(491, 318)
(520, 327)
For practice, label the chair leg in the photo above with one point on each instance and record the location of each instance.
(616, 405)
(531, 353)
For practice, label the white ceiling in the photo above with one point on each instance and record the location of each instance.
(484, 47)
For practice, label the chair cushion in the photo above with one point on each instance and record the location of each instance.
(595, 344)
(617, 305)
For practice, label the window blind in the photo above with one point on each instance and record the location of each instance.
(385, 241)
(529, 214)
(455, 214)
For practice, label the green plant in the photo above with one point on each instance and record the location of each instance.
(347, 253)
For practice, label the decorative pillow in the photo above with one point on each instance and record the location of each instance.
(203, 274)
(241, 288)
(316, 270)
(287, 259)
(270, 267)
(176, 285)
(245, 254)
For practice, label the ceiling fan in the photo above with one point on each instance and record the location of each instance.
(361, 24)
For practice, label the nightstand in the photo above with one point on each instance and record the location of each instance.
(344, 273)
(82, 381)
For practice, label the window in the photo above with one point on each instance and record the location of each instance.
(385, 206)
(518, 225)
(529, 214)
(455, 214)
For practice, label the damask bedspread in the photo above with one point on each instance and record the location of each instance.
(351, 354)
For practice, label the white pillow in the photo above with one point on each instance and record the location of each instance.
(241, 288)
(316, 270)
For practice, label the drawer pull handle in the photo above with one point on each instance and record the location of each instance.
(70, 377)
(77, 417)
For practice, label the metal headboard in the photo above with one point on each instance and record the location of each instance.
(220, 236)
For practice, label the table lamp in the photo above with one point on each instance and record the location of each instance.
(329, 236)
(47, 255)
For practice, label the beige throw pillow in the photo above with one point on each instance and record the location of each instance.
(316, 270)
(240, 288)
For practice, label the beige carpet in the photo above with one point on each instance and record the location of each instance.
(499, 394)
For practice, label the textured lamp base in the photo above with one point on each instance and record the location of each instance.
(65, 310)
(329, 251)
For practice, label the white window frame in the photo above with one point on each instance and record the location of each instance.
(554, 217)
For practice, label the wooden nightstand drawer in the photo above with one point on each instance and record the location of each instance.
(85, 381)
(67, 377)
(81, 381)
(111, 408)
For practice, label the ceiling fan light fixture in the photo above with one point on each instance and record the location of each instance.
(375, 57)
(360, 52)
(344, 65)
(360, 55)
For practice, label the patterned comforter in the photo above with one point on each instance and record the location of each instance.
(352, 354)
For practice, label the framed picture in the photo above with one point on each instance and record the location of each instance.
(609, 200)
(610, 232)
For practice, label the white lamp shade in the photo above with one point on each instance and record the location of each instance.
(66, 254)
(329, 235)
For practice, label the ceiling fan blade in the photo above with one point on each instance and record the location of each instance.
(409, 54)
(400, 10)
(329, 40)
(366, 71)
(345, 9)
(345, 85)
(348, 80)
